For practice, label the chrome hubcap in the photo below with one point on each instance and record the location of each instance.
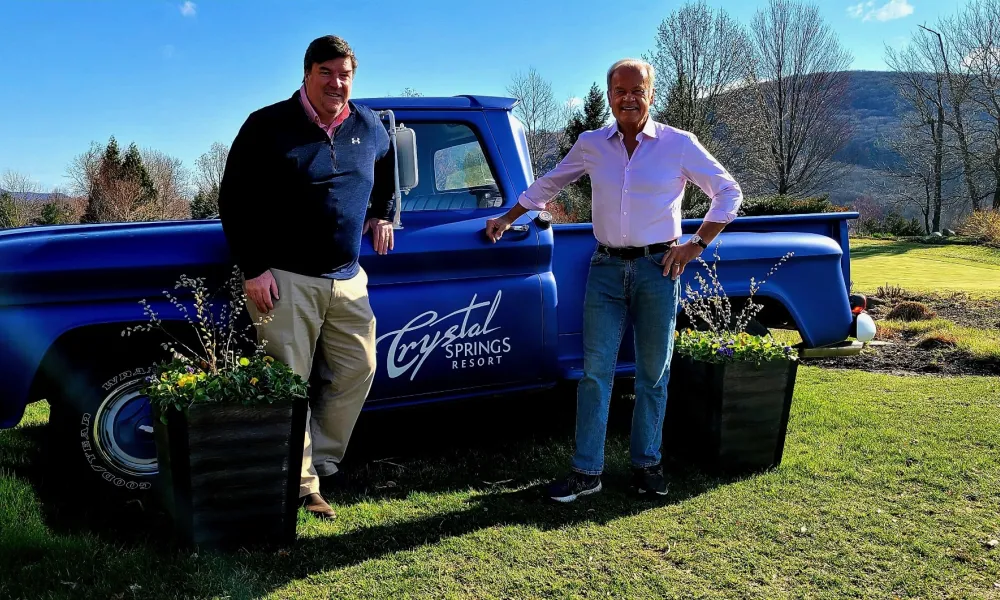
(123, 430)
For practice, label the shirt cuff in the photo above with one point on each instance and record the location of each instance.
(529, 203)
(717, 215)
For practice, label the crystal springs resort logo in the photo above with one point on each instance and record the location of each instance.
(464, 337)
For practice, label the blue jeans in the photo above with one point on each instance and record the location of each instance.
(621, 291)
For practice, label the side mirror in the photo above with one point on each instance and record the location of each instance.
(403, 141)
(406, 158)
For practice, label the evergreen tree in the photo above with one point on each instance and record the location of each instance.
(8, 211)
(594, 115)
(53, 214)
(134, 170)
(205, 203)
(107, 174)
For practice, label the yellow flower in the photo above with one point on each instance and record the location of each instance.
(253, 381)
(244, 362)
(185, 380)
(268, 359)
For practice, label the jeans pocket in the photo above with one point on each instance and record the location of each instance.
(599, 257)
(657, 258)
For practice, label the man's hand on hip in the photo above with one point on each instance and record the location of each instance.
(678, 257)
(382, 232)
(259, 290)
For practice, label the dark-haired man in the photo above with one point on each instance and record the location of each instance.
(306, 178)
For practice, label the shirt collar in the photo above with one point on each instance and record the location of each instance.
(314, 116)
(649, 130)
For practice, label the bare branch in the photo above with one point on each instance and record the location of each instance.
(798, 82)
(538, 111)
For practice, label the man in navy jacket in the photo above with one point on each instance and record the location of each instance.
(306, 178)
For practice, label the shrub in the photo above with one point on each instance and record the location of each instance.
(910, 311)
(890, 292)
(983, 226)
(937, 339)
(726, 338)
(783, 205)
(892, 224)
(215, 371)
(773, 205)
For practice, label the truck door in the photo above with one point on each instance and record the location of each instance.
(455, 313)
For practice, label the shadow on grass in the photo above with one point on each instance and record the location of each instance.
(505, 450)
(890, 249)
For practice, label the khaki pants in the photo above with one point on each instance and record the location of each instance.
(329, 322)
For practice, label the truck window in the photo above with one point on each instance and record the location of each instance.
(463, 178)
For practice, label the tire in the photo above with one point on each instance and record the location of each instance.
(101, 428)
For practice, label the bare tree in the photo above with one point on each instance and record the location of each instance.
(798, 81)
(913, 176)
(83, 170)
(539, 112)
(210, 168)
(18, 208)
(171, 182)
(701, 56)
(121, 201)
(976, 34)
(959, 88)
(921, 81)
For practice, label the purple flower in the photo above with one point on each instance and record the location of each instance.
(724, 351)
(190, 369)
(788, 350)
(152, 379)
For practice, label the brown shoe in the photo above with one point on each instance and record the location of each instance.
(316, 505)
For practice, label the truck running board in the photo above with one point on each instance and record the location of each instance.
(846, 348)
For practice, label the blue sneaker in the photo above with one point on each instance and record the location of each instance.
(574, 486)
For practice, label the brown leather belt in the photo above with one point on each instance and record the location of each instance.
(633, 252)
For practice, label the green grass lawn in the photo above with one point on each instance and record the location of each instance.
(888, 489)
(925, 268)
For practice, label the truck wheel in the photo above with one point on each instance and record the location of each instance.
(101, 429)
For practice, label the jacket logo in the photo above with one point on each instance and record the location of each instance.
(355, 140)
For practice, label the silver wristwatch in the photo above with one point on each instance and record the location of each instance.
(696, 239)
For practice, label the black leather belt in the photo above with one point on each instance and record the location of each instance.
(633, 252)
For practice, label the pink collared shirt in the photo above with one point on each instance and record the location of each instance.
(314, 116)
(637, 201)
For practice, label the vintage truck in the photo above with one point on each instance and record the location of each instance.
(458, 316)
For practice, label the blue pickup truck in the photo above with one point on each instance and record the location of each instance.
(458, 316)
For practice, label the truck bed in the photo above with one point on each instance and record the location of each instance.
(812, 286)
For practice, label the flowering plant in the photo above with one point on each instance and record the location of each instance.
(215, 369)
(724, 338)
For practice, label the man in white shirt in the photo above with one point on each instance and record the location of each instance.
(638, 170)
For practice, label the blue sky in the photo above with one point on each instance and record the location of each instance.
(178, 76)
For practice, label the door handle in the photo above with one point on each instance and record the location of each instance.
(516, 232)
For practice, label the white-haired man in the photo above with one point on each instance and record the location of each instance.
(638, 170)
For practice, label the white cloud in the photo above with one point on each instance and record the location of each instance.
(574, 102)
(188, 9)
(893, 9)
(168, 51)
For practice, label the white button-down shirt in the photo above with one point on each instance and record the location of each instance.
(637, 201)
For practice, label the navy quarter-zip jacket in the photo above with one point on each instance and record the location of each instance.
(293, 199)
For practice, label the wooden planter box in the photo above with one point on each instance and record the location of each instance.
(729, 417)
(229, 474)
